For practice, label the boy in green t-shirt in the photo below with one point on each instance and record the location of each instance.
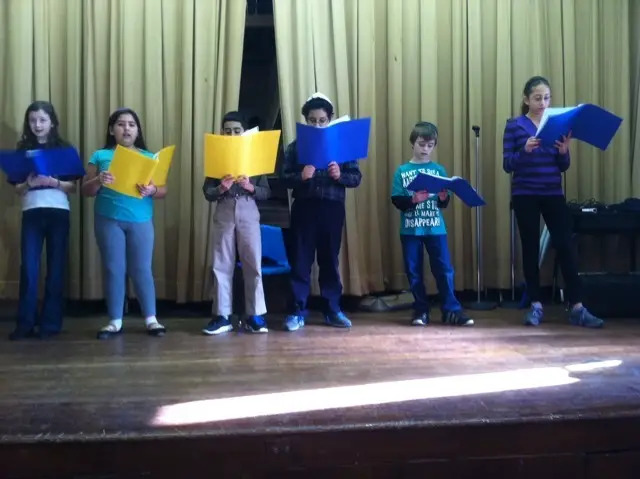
(422, 226)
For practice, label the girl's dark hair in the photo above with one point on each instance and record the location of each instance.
(29, 141)
(235, 116)
(528, 88)
(424, 129)
(317, 104)
(110, 140)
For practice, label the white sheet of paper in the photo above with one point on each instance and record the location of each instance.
(340, 120)
(552, 112)
(253, 130)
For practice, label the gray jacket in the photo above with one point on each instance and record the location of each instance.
(211, 189)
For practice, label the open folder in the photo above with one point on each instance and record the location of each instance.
(343, 140)
(459, 186)
(589, 123)
(58, 162)
(131, 168)
(252, 154)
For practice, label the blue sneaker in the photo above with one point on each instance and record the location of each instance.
(218, 325)
(582, 317)
(533, 316)
(337, 320)
(293, 322)
(256, 324)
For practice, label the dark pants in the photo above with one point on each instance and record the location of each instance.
(440, 262)
(555, 213)
(40, 225)
(316, 226)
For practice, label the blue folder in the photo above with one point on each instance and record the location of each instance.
(341, 142)
(57, 162)
(15, 165)
(589, 123)
(459, 186)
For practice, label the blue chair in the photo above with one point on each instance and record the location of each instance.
(274, 263)
(274, 254)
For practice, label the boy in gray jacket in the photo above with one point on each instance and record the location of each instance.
(236, 221)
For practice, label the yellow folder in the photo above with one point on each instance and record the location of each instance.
(248, 155)
(164, 157)
(130, 168)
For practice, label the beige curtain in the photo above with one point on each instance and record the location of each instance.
(583, 65)
(596, 69)
(509, 41)
(426, 64)
(317, 46)
(175, 62)
(409, 63)
(40, 60)
(349, 51)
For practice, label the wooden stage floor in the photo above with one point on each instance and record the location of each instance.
(381, 400)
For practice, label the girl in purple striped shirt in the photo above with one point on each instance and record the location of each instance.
(536, 189)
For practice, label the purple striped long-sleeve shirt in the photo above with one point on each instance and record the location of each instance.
(535, 173)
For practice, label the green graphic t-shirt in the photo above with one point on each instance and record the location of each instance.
(426, 218)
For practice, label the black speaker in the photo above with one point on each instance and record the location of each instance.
(610, 295)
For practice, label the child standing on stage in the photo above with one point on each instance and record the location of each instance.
(317, 220)
(45, 218)
(124, 226)
(236, 221)
(536, 189)
(422, 227)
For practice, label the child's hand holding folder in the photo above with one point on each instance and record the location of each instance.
(147, 190)
(226, 183)
(308, 172)
(106, 178)
(420, 196)
(35, 181)
(334, 170)
(563, 146)
(245, 183)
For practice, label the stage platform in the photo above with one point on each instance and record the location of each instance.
(381, 400)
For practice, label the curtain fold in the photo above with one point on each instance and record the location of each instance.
(456, 63)
(332, 30)
(41, 60)
(177, 63)
(596, 51)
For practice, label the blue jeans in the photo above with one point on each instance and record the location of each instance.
(40, 225)
(126, 248)
(440, 263)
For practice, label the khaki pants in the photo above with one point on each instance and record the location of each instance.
(237, 221)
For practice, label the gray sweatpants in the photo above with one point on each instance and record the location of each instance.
(237, 221)
(126, 248)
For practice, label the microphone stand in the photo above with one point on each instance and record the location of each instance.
(479, 304)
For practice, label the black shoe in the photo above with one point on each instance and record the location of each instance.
(108, 332)
(420, 319)
(457, 318)
(20, 333)
(156, 329)
(44, 334)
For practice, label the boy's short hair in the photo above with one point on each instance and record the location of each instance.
(317, 103)
(424, 129)
(235, 116)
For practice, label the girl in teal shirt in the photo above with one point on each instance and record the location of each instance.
(124, 227)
